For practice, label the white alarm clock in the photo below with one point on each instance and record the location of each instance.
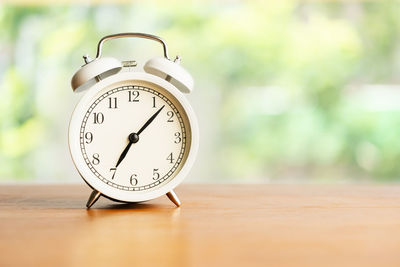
(133, 136)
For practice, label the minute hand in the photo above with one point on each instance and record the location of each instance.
(134, 137)
(124, 153)
(149, 121)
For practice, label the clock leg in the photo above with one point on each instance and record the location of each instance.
(174, 198)
(94, 196)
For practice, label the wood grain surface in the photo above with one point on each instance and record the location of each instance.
(217, 225)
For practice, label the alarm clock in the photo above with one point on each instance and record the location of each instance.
(133, 136)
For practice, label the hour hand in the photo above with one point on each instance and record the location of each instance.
(150, 120)
(134, 137)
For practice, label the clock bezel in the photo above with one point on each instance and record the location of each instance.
(74, 135)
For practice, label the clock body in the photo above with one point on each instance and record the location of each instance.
(109, 112)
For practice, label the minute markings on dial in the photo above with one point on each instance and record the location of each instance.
(165, 174)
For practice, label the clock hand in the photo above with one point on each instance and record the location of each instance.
(149, 120)
(126, 149)
(134, 137)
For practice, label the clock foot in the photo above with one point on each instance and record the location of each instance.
(94, 196)
(174, 198)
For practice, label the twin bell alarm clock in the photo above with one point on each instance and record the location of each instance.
(133, 136)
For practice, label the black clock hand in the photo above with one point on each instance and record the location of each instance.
(149, 120)
(124, 153)
(134, 137)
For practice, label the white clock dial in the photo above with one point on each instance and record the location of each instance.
(148, 159)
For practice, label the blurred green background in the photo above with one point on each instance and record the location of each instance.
(286, 91)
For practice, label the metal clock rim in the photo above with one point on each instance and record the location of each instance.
(131, 34)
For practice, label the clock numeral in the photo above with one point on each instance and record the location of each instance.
(133, 96)
(170, 158)
(156, 174)
(178, 138)
(98, 118)
(112, 102)
(114, 170)
(133, 180)
(88, 137)
(170, 114)
(154, 101)
(96, 159)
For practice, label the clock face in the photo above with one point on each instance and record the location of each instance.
(134, 137)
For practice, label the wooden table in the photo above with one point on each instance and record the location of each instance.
(217, 225)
